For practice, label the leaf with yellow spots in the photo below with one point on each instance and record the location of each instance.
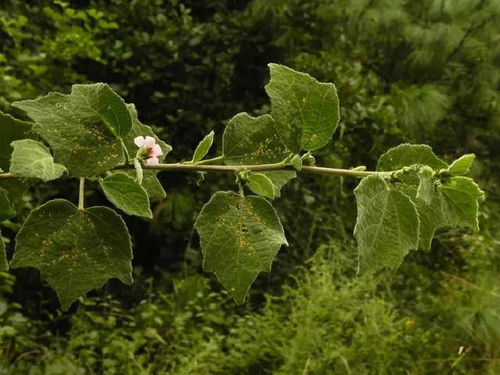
(306, 112)
(75, 250)
(83, 128)
(255, 140)
(240, 237)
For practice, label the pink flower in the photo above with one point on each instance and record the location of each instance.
(152, 150)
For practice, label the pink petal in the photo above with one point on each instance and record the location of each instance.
(152, 161)
(139, 141)
(149, 142)
(156, 151)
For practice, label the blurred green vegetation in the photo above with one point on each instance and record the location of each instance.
(406, 71)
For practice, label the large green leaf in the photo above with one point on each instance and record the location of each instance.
(453, 204)
(6, 210)
(406, 155)
(240, 237)
(11, 130)
(75, 250)
(126, 194)
(150, 181)
(31, 159)
(387, 224)
(306, 111)
(255, 140)
(82, 128)
(4, 266)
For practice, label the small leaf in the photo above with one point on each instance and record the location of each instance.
(306, 111)
(126, 194)
(83, 128)
(387, 225)
(254, 140)
(203, 147)
(462, 165)
(150, 182)
(11, 130)
(406, 155)
(6, 210)
(461, 195)
(425, 189)
(240, 237)
(4, 265)
(75, 250)
(31, 159)
(261, 185)
(296, 162)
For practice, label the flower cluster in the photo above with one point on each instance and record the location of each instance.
(149, 149)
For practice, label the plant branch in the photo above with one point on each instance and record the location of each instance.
(253, 168)
(81, 194)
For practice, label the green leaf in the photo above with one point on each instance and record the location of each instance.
(453, 204)
(83, 128)
(6, 210)
(31, 159)
(425, 189)
(406, 155)
(296, 162)
(240, 237)
(306, 111)
(126, 194)
(462, 165)
(255, 140)
(461, 196)
(75, 250)
(261, 185)
(4, 265)
(387, 224)
(203, 147)
(11, 130)
(150, 182)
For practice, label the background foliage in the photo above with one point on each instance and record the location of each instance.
(425, 71)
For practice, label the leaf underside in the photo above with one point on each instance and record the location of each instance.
(387, 224)
(31, 159)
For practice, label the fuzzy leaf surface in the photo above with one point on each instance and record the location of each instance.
(261, 185)
(255, 140)
(203, 147)
(75, 250)
(452, 204)
(126, 194)
(32, 159)
(240, 237)
(425, 190)
(386, 227)
(11, 129)
(306, 111)
(82, 128)
(462, 165)
(406, 155)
